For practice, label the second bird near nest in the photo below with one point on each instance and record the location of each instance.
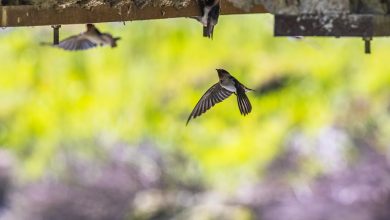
(91, 38)
(209, 10)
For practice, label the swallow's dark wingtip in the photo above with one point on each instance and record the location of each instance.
(245, 113)
(188, 120)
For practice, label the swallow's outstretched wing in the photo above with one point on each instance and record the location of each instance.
(213, 96)
(243, 102)
(78, 42)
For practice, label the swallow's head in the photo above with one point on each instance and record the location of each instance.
(222, 73)
(90, 26)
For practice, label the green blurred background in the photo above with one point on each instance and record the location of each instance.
(143, 91)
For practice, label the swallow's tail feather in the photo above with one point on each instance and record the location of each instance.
(208, 31)
(114, 40)
(249, 89)
(243, 102)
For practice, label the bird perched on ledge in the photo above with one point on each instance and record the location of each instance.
(220, 91)
(91, 38)
(210, 12)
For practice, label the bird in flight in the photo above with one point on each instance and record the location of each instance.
(91, 38)
(210, 12)
(220, 91)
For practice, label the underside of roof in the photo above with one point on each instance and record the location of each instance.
(330, 18)
(88, 4)
(14, 13)
(274, 6)
(97, 11)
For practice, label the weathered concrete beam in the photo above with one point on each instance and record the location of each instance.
(336, 26)
(17, 16)
(296, 7)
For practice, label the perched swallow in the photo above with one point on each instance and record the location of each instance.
(210, 12)
(88, 39)
(220, 91)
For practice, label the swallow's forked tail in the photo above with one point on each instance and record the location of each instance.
(208, 31)
(114, 40)
(249, 89)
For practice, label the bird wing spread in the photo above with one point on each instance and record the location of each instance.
(76, 43)
(243, 102)
(213, 96)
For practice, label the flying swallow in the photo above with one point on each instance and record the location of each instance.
(220, 91)
(91, 38)
(210, 12)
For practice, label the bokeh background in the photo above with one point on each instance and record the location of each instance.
(101, 134)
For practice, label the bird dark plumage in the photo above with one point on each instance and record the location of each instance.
(220, 91)
(243, 102)
(209, 10)
(88, 39)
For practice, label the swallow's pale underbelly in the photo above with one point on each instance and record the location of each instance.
(96, 40)
(205, 16)
(229, 87)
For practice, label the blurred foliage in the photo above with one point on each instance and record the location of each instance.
(53, 100)
(141, 182)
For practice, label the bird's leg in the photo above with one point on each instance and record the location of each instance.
(56, 34)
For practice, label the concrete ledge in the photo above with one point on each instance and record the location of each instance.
(18, 16)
